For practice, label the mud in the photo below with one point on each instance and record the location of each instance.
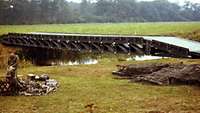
(161, 74)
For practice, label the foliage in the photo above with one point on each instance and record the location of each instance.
(61, 11)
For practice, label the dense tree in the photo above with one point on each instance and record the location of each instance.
(191, 11)
(86, 11)
(61, 11)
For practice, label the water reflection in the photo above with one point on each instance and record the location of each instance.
(144, 57)
(87, 61)
(91, 61)
(46, 57)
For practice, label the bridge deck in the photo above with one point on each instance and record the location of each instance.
(193, 46)
(151, 45)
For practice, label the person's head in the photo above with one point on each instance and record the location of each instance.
(12, 52)
(9, 51)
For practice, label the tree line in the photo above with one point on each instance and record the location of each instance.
(61, 11)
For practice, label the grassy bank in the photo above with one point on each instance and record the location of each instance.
(94, 84)
(109, 28)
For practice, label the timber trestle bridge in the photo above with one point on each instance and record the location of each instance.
(159, 46)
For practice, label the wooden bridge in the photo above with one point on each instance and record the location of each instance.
(159, 46)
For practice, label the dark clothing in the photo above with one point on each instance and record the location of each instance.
(12, 66)
(11, 75)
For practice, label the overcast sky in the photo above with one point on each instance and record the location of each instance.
(174, 1)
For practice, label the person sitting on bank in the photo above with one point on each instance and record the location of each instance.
(11, 74)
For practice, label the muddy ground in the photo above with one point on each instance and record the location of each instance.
(161, 74)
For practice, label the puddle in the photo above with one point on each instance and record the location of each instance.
(78, 62)
(144, 58)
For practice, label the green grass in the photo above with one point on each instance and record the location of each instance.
(109, 28)
(94, 84)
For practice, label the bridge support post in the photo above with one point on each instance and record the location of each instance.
(147, 48)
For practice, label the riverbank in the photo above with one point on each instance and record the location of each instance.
(84, 85)
(94, 85)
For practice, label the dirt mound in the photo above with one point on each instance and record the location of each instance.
(161, 74)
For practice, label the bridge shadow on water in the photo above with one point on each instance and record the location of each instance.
(52, 57)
